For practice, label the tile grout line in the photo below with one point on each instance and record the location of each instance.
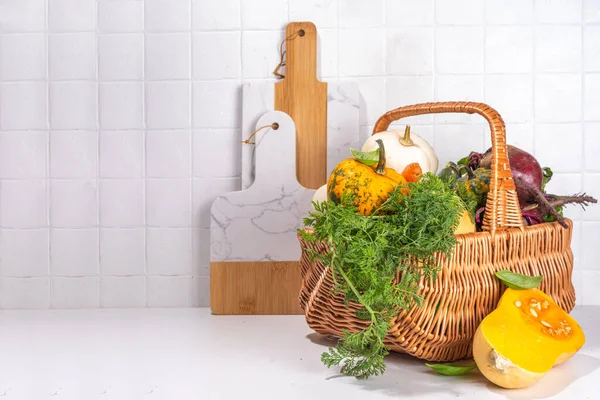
(144, 152)
(260, 79)
(533, 79)
(338, 34)
(48, 153)
(385, 70)
(221, 128)
(241, 80)
(98, 152)
(175, 31)
(583, 122)
(484, 54)
(433, 70)
(191, 144)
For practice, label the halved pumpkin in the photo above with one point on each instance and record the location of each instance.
(524, 337)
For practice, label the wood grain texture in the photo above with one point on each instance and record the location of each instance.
(304, 98)
(272, 288)
(260, 288)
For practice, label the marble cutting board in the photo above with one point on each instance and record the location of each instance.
(259, 223)
(254, 248)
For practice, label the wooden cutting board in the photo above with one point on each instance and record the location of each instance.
(254, 249)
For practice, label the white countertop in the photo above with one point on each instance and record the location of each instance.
(180, 354)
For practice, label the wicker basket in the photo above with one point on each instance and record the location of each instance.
(466, 285)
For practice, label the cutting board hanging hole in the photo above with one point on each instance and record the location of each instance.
(282, 52)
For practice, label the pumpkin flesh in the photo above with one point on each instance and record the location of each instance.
(524, 337)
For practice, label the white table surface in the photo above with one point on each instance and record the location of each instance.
(179, 354)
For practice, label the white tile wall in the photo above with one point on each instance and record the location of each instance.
(361, 14)
(120, 121)
(416, 41)
(122, 291)
(23, 65)
(24, 106)
(72, 56)
(509, 49)
(122, 251)
(120, 16)
(120, 56)
(74, 252)
(75, 292)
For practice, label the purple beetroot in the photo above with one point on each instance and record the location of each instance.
(527, 172)
(528, 177)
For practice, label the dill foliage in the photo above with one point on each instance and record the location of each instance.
(378, 260)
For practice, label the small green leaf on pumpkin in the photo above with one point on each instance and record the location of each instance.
(518, 281)
(366, 157)
(451, 369)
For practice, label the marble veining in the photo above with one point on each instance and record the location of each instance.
(259, 222)
(342, 122)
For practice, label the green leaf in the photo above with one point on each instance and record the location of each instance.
(518, 281)
(547, 176)
(366, 157)
(550, 218)
(451, 369)
(463, 161)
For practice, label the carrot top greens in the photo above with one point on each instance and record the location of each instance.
(367, 253)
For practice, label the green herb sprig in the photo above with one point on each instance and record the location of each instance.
(367, 253)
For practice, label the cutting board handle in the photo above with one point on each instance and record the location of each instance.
(301, 52)
(275, 150)
(304, 99)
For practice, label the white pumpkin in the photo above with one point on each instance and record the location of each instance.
(320, 194)
(405, 148)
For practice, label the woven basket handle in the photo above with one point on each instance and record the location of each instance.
(502, 209)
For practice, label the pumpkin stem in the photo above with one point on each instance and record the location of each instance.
(381, 163)
(455, 169)
(469, 171)
(406, 140)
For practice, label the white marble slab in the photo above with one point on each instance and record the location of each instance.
(259, 222)
(343, 124)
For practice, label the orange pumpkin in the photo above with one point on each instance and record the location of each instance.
(412, 172)
(370, 185)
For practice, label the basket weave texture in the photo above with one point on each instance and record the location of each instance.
(465, 290)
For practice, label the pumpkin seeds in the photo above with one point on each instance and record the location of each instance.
(518, 281)
(532, 311)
